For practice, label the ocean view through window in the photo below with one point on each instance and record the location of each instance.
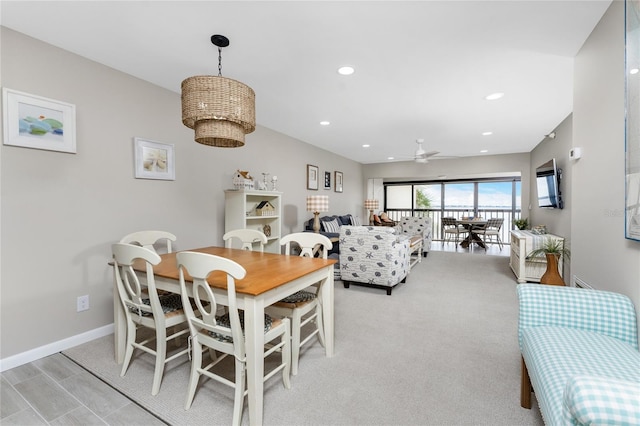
(486, 198)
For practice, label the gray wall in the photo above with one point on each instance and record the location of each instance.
(557, 221)
(601, 255)
(60, 212)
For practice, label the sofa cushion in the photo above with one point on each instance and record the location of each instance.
(553, 355)
(344, 220)
(354, 221)
(590, 400)
(331, 226)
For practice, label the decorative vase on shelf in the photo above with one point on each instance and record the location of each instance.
(551, 275)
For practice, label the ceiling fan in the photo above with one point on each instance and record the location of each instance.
(422, 156)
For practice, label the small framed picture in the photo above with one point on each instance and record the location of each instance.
(312, 177)
(32, 121)
(154, 160)
(327, 180)
(338, 182)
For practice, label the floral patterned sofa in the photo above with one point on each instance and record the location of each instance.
(374, 256)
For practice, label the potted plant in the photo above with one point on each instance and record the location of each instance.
(521, 223)
(552, 249)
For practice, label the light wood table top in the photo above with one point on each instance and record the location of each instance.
(265, 271)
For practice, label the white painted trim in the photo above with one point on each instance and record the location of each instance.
(55, 347)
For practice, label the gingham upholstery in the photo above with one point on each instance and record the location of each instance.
(554, 355)
(567, 333)
(590, 400)
(373, 255)
(604, 312)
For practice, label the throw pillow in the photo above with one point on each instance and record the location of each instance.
(355, 221)
(331, 226)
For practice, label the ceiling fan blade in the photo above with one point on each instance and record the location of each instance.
(431, 153)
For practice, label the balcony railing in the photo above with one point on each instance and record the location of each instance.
(436, 216)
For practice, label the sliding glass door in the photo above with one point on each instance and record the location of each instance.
(485, 198)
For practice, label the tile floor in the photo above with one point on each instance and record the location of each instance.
(56, 391)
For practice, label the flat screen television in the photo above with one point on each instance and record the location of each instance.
(548, 178)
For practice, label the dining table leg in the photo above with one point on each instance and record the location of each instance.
(254, 338)
(328, 312)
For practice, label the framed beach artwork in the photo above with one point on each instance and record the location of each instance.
(312, 177)
(632, 125)
(31, 121)
(154, 160)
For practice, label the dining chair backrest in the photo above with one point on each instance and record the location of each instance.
(130, 289)
(495, 223)
(247, 238)
(200, 267)
(449, 221)
(309, 243)
(148, 239)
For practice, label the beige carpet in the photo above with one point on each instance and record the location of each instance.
(442, 350)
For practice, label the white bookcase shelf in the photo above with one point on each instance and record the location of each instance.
(522, 243)
(240, 213)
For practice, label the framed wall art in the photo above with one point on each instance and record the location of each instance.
(632, 130)
(338, 182)
(312, 177)
(327, 180)
(154, 160)
(32, 121)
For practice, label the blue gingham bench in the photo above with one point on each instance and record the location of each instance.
(580, 355)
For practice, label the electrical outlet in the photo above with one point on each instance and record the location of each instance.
(83, 303)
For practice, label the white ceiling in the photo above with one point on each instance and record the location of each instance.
(422, 67)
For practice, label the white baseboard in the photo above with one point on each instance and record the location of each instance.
(55, 347)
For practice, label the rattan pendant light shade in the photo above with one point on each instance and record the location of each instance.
(220, 110)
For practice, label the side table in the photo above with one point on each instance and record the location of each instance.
(415, 250)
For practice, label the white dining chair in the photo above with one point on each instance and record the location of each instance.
(303, 307)
(225, 333)
(247, 237)
(149, 239)
(144, 307)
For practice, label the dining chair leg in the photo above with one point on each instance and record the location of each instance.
(286, 358)
(295, 340)
(196, 365)
(128, 353)
(238, 399)
(161, 354)
(320, 324)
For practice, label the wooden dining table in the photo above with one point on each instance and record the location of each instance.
(269, 278)
(472, 237)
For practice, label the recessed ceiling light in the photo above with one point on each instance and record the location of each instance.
(366, 145)
(487, 133)
(390, 158)
(484, 150)
(494, 96)
(325, 123)
(634, 71)
(346, 70)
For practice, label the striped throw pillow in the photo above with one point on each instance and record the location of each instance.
(331, 226)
